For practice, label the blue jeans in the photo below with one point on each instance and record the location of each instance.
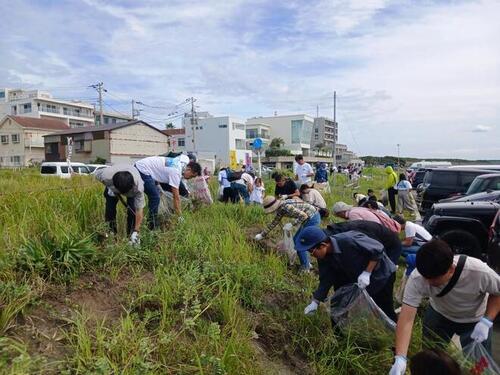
(407, 250)
(242, 190)
(315, 220)
(151, 190)
(436, 326)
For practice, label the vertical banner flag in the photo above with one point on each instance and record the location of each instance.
(233, 162)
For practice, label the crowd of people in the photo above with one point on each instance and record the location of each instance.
(365, 249)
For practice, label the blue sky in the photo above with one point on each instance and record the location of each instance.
(424, 74)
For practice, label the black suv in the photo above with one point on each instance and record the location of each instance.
(494, 243)
(443, 183)
(464, 225)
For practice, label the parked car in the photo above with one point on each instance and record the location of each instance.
(491, 196)
(494, 243)
(62, 170)
(490, 167)
(441, 183)
(463, 225)
(485, 183)
(418, 178)
(95, 167)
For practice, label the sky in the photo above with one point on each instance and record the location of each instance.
(422, 74)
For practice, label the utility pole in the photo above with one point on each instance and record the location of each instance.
(317, 111)
(194, 122)
(335, 128)
(133, 109)
(99, 87)
(398, 154)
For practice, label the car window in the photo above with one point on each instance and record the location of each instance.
(466, 179)
(84, 170)
(494, 184)
(443, 179)
(64, 169)
(91, 168)
(477, 186)
(48, 169)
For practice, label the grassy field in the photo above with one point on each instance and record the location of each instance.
(199, 297)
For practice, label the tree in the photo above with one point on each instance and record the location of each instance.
(276, 143)
(169, 126)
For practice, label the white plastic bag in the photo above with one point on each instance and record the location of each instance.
(289, 247)
(166, 207)
(478, 361)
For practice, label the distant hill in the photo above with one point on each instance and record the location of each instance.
(378, 160)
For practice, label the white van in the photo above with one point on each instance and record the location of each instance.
(429, 164)
(61, 169)
(93, 168)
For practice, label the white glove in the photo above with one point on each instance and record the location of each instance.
(134, 239)
(288, 227)
(311, 308)
(364, 279)
(399, 366)
(259, 237)
(481, 330)
(110, 193)
(284, 196)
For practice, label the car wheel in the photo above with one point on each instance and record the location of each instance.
(462, 242)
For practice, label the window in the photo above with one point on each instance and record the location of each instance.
(2, 94)
(16, 160)
(79, 145)
(5, 139)
(181, 142)
(296, 130)
(444, 179)
(48, 169)
(64, 169)
(222, 125)
(252, 133)
(316, 130)
(113, 121)
(27, 108)
(466, 179)
(240, 144)
(15, 138)
(51, 148)
(13, 110)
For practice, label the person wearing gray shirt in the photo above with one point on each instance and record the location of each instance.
(123, 180)
(464, 296)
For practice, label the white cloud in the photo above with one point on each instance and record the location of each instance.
(481, 129)
(414, 73)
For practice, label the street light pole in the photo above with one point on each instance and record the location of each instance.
(398, 154)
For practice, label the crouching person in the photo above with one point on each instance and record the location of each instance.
(123, 180)
(304, 214)
(347, 258)
(464, 296)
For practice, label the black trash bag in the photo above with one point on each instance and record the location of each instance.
(477, 361)
(353, 311)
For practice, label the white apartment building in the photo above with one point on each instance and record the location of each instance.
(325, 132)
(41, 104)
(212, 137)
(295, 130)
(261, 131)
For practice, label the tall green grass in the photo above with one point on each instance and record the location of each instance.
(198, 297)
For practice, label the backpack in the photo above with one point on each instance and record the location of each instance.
(233, 175)
(387, 222)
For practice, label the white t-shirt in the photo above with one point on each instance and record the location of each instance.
(302, 171)
(466, 302)
(415, 230)
(403, 185)
(257, 194)
(155, 166)
(222, 178)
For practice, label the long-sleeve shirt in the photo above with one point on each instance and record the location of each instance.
(362, 213)
(300, 211)
(105, 175)
(352, 251)
(315, 198)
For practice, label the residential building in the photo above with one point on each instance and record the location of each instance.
(215, 138)
(21, 139)
(41, 104)
(116, 143)
(261, 131)
(111, 118)
(325, 133)
(176, 139)
(295, 130)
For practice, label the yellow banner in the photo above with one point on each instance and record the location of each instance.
(233, 162)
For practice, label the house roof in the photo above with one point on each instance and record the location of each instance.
(174, 131)
(39, 123)
(109, 127)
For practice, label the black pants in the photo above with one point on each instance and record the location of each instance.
(183, 192)
(110, 213)
(227, 194)
(391, 193)
(384, 298)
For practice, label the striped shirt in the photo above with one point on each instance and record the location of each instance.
(298, 210)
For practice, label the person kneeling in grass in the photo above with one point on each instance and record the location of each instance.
(304, 214)
(464, 296)
(348, 258)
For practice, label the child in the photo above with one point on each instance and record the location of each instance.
(257, 194)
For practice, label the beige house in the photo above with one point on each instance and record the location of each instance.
(115, 143)
(21, 139)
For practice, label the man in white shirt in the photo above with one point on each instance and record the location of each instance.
(464, 295)
(123, 180)
(303, 171)
(154, 170)
(415, 236)
(225, 186)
